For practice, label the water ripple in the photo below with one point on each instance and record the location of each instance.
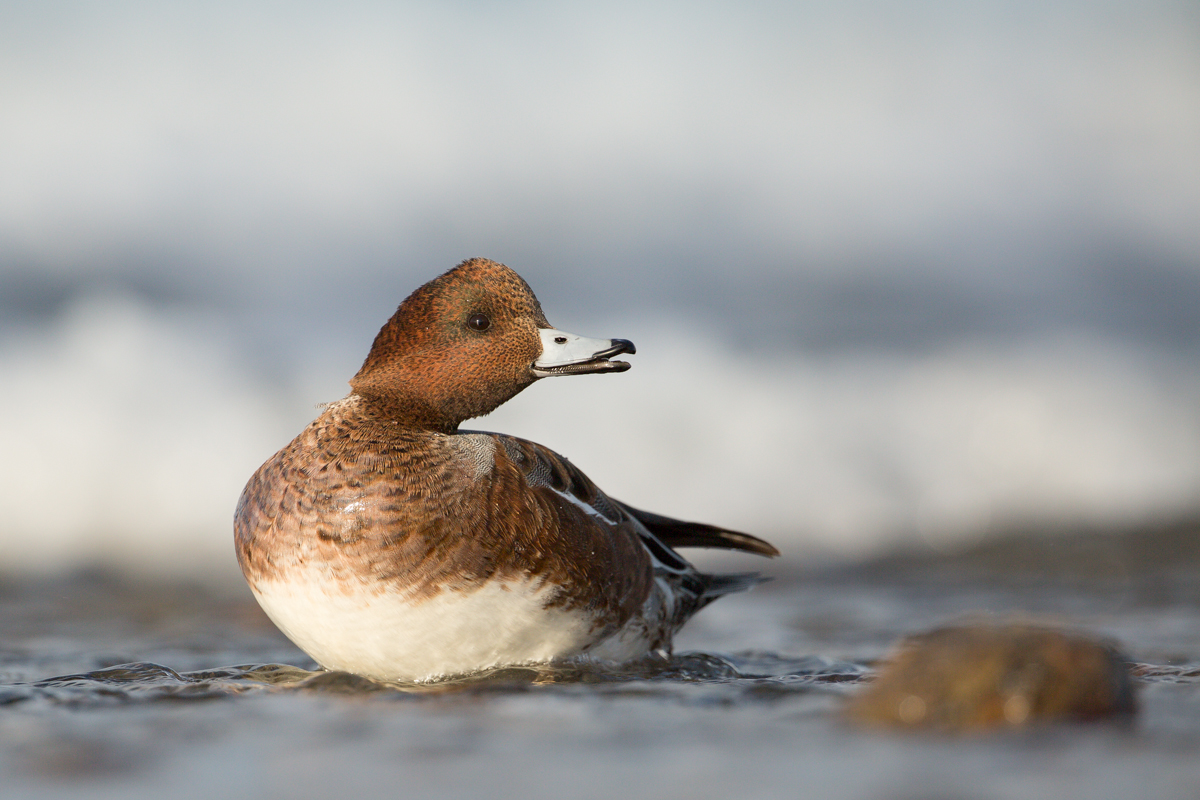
(745, 675)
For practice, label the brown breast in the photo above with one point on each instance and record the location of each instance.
(372, 502)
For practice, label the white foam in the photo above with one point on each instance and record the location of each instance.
(128, 434)
(851, 452)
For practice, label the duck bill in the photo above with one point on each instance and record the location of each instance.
(567, 354)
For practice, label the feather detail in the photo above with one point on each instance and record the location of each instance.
(678, 533)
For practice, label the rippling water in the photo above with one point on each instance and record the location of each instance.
(728, 677)
(110, 688)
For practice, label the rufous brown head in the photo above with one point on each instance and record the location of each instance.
(467, 341)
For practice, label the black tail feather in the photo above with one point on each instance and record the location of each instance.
(677, 533)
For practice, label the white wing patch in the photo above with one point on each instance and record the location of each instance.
(589, 509)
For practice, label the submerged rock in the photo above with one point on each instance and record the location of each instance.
(996, 675)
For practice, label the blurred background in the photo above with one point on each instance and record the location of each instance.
(900, 274)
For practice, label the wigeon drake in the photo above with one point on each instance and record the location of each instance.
(386, 542)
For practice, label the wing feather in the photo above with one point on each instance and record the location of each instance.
(678, 533)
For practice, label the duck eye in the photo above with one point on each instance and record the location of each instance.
(479, 322)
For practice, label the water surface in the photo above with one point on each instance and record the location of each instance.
(113, 688)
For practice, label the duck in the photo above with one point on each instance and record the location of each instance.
(387, 542)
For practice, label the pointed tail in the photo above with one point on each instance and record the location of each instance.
(720, 585)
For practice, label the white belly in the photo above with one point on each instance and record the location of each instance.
(387, 636)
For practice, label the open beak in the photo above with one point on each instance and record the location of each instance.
(567, 354)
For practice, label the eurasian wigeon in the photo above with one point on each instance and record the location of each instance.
(386, 542)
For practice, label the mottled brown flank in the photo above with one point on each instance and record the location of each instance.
(374, 501)
(429, 369)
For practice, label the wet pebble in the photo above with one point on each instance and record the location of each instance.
(973, 677)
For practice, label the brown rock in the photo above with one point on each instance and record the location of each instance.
(996, 675)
